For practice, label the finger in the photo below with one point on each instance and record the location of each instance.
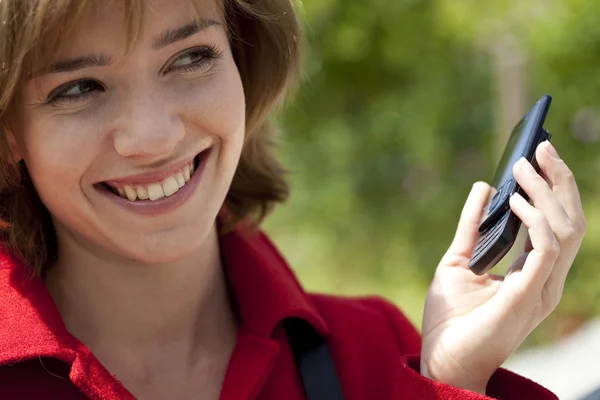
(546, 200)
(540, 261)
(467, 230)
(562, 182)
(566, 190)
(542, 195)
(545, 177)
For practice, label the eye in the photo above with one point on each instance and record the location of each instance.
(195, 59)
(75, 91)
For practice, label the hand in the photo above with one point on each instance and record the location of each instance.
(471, 323)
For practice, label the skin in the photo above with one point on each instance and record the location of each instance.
(473, 323)
(174, 331)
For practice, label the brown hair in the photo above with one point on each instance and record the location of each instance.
(265, 37)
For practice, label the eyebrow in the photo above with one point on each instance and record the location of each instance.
(71, 64)
(171, 36)
(164, 39)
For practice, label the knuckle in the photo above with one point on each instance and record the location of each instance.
(571, 234)
(553, 248)
(565, 174)
(539, 218)
(553, 303)
(535, 182)
(560, 290)
(574, 231)
(581, 225)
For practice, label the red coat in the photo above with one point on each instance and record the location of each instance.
(375, 348)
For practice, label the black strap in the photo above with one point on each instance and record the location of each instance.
(314, 361)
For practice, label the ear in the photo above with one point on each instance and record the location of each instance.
(13, 145)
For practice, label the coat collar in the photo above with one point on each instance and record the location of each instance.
(30, 325)
(264, 287)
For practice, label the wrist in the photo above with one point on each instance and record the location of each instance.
(470, 383)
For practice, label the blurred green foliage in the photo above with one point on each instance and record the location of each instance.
(397, 118)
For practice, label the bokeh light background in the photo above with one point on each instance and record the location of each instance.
(404, 105)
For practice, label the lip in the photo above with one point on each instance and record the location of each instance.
(166, 204)
(151, 177)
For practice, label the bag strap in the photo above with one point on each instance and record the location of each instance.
(314, 361)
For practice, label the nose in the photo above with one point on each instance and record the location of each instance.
(147, 128)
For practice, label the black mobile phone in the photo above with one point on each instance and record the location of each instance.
(499, 226)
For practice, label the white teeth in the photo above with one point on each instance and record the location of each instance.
(142, 193)
(170, 186)
(180, 180)
(130, 193)
(155, 191)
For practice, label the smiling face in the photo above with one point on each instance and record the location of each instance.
(133, 150)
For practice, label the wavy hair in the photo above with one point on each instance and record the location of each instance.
(265, 37)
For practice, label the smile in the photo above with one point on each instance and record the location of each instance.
(157, 193)
(152, 191)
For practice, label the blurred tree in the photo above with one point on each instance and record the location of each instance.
(396, 120)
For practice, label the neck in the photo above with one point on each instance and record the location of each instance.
(145, 315)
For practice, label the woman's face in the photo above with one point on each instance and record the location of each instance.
(133, 152)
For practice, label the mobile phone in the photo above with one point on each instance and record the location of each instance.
(499, 226)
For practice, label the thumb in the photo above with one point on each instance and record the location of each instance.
(467, 231)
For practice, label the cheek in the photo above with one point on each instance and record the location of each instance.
(57, 153)
(217, 106)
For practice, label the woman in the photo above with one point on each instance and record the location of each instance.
(135, 164)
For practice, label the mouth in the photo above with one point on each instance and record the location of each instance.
(154, 191)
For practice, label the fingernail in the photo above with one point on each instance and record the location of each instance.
(526, 167)
(551, 150)
(516, 196)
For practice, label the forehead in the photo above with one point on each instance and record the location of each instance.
(141, 12)
(113, 21)
(72, 25)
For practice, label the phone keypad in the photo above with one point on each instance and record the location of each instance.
(489, 236)
(497, 204)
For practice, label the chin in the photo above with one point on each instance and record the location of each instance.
(161, 254)
(162, 249)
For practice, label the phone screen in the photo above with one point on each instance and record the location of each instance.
(504, 184)
(515, 148)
